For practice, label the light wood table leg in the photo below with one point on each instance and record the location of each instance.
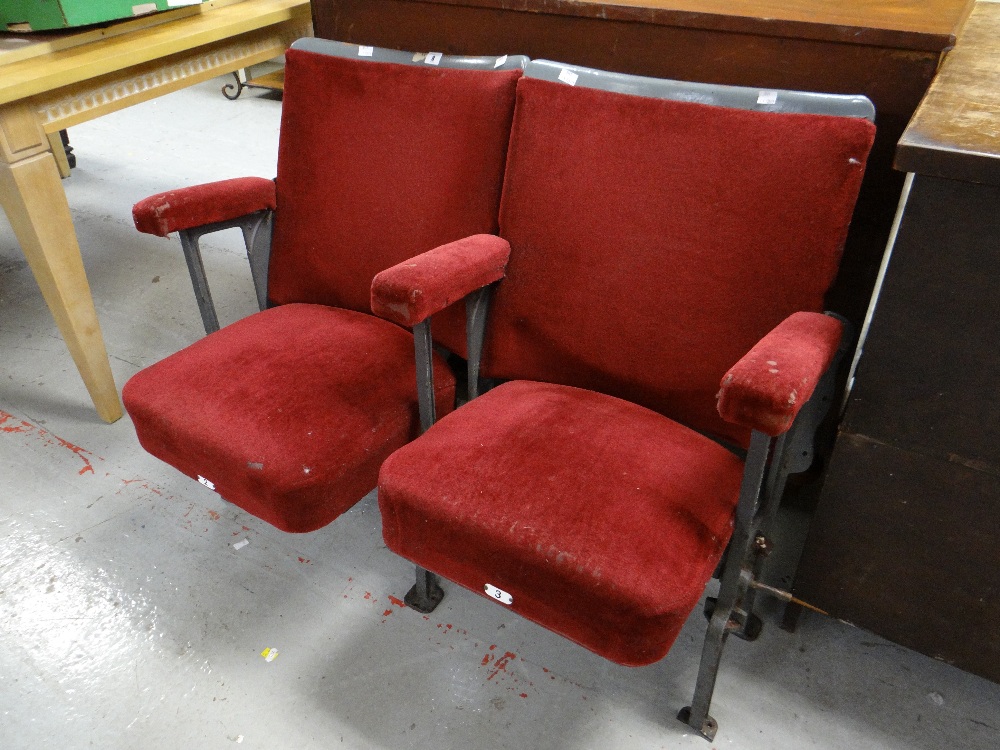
(34, 201)
(59, 152)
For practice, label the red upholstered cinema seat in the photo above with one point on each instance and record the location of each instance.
(382, 155)
(660, 250)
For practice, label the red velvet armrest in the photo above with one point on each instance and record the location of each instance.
(768, 386)
(410, 292)
(199, 205)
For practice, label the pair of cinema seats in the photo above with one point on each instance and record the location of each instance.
(634, 271)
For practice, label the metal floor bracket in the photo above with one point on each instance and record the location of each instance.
(425, 594)
(708, 728)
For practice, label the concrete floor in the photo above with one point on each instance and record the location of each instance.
(130, 619)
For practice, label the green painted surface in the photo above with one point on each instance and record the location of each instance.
(42, 15)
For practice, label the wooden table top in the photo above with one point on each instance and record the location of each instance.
(908, 24)
(38, 63)
(955, 132)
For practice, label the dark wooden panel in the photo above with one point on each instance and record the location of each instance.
(906, 546)
(929, 380)
(904, 24)
(905, 536)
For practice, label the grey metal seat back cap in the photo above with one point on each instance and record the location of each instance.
(734, 97)
(433, 59)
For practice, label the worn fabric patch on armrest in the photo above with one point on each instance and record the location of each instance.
(199, 205)
(413, 290)
(771, 382)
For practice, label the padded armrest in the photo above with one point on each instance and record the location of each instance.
(771, 382)
(196, 206)
(411, 291)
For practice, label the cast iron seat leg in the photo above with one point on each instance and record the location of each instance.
(744, 623)
(749, 624)
(735, 580)
(425, 594)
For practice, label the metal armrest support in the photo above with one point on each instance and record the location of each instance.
(197, 210)
(410, 292)
(256, 228)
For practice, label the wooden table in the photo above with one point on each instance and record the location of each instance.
(886, 50)
(906, 537)
(65, 79)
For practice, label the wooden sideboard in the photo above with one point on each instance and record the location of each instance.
(906, 537)
(887, 51)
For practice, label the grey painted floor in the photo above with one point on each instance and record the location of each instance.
(129, 619)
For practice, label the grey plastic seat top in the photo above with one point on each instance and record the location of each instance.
(735, 97)
(383, 54)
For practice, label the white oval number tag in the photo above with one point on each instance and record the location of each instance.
(501, 596)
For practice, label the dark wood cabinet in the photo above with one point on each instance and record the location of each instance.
(906, 537)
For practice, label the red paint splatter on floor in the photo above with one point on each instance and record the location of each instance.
(500, 665)
(305, 561)
(368, 595)
(386, 613)
(87, 466)
(22, 427)
(523, 695)
(213, 515)
(145, 485)
(398, 602)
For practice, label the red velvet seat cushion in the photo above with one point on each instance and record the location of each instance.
(379, 162)
(654, 242)
(603, 519)
(289, 412)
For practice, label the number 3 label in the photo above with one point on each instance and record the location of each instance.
(501, 596)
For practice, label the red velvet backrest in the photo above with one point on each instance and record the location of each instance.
(654, 242)
(378, 162)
